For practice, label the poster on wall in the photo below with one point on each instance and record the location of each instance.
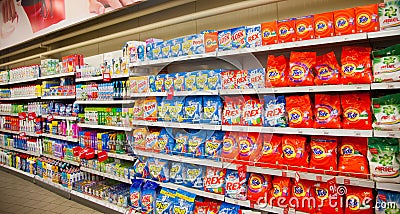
(22, 20)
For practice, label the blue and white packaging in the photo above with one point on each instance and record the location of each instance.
(150, 45)
(157, 50)
(197, 43)
(166, 49)
(212, 110)
(256, 78)
(253, 33)
(214, 79)
(224, 40)
(176, 47)
(238, 37)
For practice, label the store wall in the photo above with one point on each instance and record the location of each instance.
(281, 10)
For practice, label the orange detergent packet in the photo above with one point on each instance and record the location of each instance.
(325, 201)
(301, 68)
(138, 109)
(359, 200)
(250, 145)
(327, 70)
(323, 155)
(269, 33)
(324, 26)
(281, 189)
(305, 28)
(271, 154)
(347, 166)
(299, 111)
(150, 109)
(277, 71)
(356, 65)
(139, 138)
(327, 111)
(286, 30)
(258, 186)
(295, 152)
(344, 21)
(230, 147)
(353, 146)
(303, 190)
(356, 111)
(367, 19)
(211, 41)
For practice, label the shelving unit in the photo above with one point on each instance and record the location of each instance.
(58, 97)
(60, 137)
(104, 102)
(60, 159)
(69, 74)
(116, 128)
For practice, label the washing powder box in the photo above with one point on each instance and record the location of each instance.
(269, 33)
(286, 32)
(305, 28)
(324, 26)
(389, 15)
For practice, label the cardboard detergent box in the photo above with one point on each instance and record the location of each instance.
(389, 15)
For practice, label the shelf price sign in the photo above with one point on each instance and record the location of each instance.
(22, 115)
(102, 156)
(31, 116)
(76, 150)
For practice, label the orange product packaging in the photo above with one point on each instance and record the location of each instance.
(277, 71)
(138, 109)
(353, 146)
(324, 155)
(367, 19)
(258, 186)
(230, 146)
(302, 191)
(269, 33)
(347, 166)
(139, 137)
(325, 201)
(344, 21)
(250, 146)
(327, 111)
(356, 199)
(305, 28)
(295, 152)
(301, 68)
(271, 153)
(300, 113)
(286, 30)
(282, 187)
(356, 111)
(324, 26)
(327, 70)
(211, 41)
(150, 109)
(356, 65)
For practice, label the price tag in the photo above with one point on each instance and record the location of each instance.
(170, 93)
(89, 153)
(76, 150)
(286, 210)
(82, 153)
(346, 181)
(22, 115)
(102, 156)
(50, 118)
(318, 178)
(284, 174)
(106, 76)
(297, 177)
(32, 116)
(332, 186)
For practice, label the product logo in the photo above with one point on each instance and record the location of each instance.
(299, 190)
(253, 37)
(324, 72)
(155, 170)
(301, 28)
(353, 202)
(211, 42)
(341, 23)
(347, 150)
(212, 146)
(363, 19)
(197, 42)
(193, 174)
(147, 200)
(190, 110)
(232, 184)
(228, 145)
(161, 206)
(212, 81)
(245, 147)
(267, 148)
(175, 49)
(201, 80)
(295, 116)
(267, 33)
(321, 26)
(135, 199)
(352, 114)
(349, 68)
(159, 84)
(273, 74)
(168, 83)
(324, 113)
(319, 152)
(161, 143)
(225, 39)
(297, 73)
(174, 170)
(140, 167)
(214, 180)
(289, 151)
(209, 111)
(322, 193)
(256, 183)
(277, 191)
(180, 210)
(283, 31)
(178, 82)
(237, 36)
(189, 81)
(194, 144)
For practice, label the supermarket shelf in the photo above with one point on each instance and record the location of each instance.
(57, 75)
(59, 137)
(270, 209)
(106, 175)
(197, 161)
(193, 190)
(162, 62)
(388, 186)
(58, 97)
(57, 117)
(9, 114)
(22, 81)
(120, 156)
(18, 132)
(176, 125)
(117, 128)
(104, 102)
(99, 202)
(85, 79)
(393, 134)
(383, 33)
(20, 98)
(263, 170)
(60, 159)
(21, 151)
(50, 183)
(17, 170)
(248, 204)
(176, 93)
(385, 85)
(149, 94)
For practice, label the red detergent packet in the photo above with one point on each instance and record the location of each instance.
(327, 70)
(301, 68)
(299, 111)
(323, 155)
(302, 191)
(269, 33)
(252, 111)
(250, 145)
(233, 110)
(356, 111)
(271, 154)
(281, 189)
(353, 150)
(214, 180)
(356, 65)
(327, 111)
(353, 145)
(277, 71)
(325, 201)
(230, 147)
(359, 200)
(258, 186)
(295, 153)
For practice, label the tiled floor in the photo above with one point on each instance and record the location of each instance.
(20, 196)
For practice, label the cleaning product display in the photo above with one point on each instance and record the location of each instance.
(114, 142)
(64, 87)
(59, 148)
(104, 91)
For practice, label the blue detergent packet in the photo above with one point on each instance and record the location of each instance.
(201, 80)
(256, 78)
(214, 79)
(275, 111)
(192, 109)
(148, 199)
(224, 40)
(193, 176)
(135, 193)
(196, 144)
(253, 36)
(176, 172)
(157, 50)
(181, 142)
(169, 81)
(197, 43)
(176, 110)
(187, 46)
(227, 208)
(165, 142)
(152, 83)
(384, 198)
(165, 201)
(190, 81)
(239, 37)
(212, 110)
(213, 144)
(184, 202)
(162, 108)
(179, 81)
(166, 49)
(140, 167)
(176, 47)
(158, 169)
(234, 187)
(159, 83)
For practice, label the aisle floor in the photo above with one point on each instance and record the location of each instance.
(21, 196)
